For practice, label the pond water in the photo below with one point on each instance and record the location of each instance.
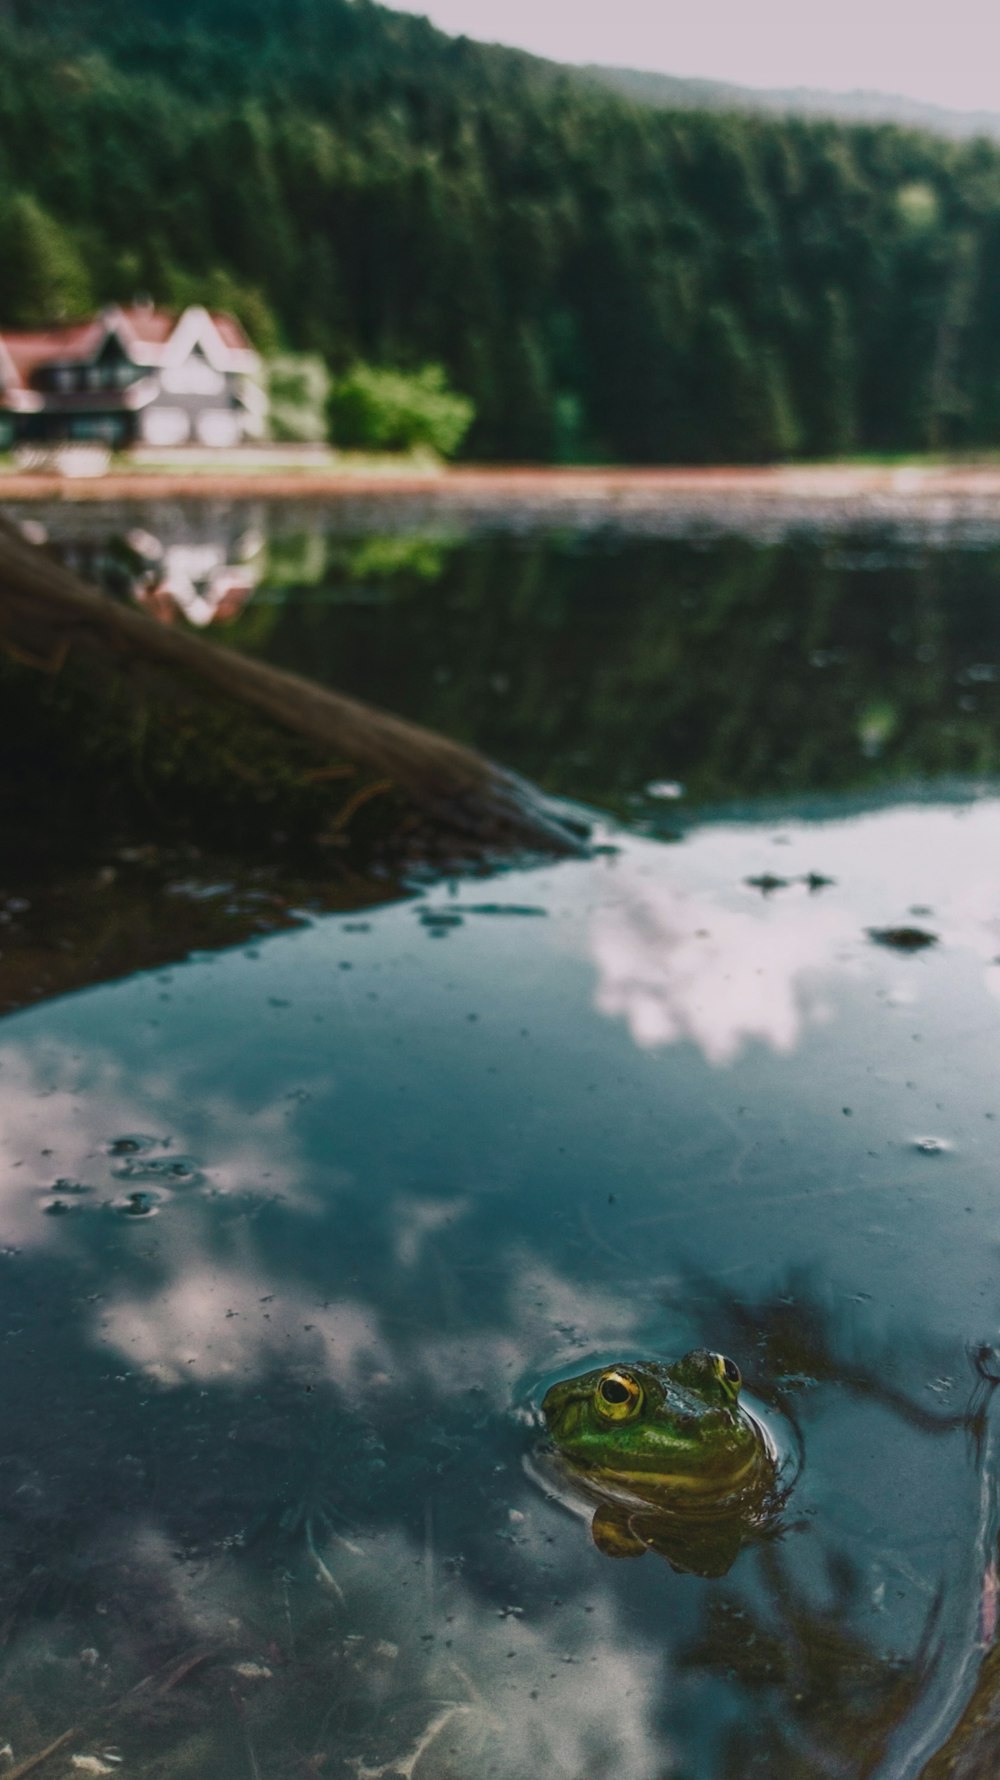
(295, 1235)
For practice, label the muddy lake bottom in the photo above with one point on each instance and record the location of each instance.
(297, 1230)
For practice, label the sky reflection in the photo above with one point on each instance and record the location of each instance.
(413, 1181)
(673, 967)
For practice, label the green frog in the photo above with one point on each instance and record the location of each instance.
(672, 1458)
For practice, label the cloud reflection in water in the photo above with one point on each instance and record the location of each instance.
(320, 1337)
(223, 1324)
(64, 1108)
(678, 967)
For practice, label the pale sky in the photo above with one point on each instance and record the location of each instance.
(947, 51)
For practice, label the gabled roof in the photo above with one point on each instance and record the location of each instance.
(152, 337)
(152, 326)
(24, 352)
(149, 337)
(230, 331)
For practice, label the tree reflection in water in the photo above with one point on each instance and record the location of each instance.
(832, 1701)
(820, 1701)
(600, 664)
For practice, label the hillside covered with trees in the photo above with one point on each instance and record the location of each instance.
(603, 280)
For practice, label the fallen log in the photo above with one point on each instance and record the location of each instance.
(142, 703)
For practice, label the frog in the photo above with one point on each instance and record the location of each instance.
(672, 1458)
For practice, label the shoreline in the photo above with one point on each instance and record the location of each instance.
(819, 482)
(953, 502)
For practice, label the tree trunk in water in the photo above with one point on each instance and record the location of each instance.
(54, 624)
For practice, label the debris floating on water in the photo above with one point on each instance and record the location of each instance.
(903, 939)
(767, 882)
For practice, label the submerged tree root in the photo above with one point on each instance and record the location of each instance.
(152, 1687)
(32, 1762)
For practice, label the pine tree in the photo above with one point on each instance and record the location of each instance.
(43, 276)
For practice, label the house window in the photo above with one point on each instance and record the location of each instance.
(106, 427)
(57, 377)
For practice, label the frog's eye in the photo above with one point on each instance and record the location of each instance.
(730, 1376)
(618, 1396)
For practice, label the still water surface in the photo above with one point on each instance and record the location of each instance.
(296, 1235)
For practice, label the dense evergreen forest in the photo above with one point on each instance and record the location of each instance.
(602, 279)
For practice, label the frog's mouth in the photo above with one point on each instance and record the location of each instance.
(653, 1472)
(677, 1497)
(698, 1484)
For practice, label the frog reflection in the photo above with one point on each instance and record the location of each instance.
(674, 1461)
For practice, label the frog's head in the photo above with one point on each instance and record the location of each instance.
(676, 1426)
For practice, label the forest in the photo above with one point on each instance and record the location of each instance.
(603, 281)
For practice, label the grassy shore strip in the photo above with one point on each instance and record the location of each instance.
(827, 486)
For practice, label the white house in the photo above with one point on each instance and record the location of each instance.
(136, 376)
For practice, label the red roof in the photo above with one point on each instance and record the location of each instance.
(230, 332)
(78, 341)
(155, 326)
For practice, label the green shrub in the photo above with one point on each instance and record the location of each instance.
(377, 408)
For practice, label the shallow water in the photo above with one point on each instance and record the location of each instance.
(295, 1236)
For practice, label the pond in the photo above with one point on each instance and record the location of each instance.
(296, 1234)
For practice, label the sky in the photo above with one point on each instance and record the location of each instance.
(947, 53)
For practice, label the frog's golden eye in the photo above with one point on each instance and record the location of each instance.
(618, 1396)
(730, 1376)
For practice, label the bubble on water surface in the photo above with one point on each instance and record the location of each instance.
(931, 1146)
(134, 1144)
(139, 1205)
(171, 1170)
